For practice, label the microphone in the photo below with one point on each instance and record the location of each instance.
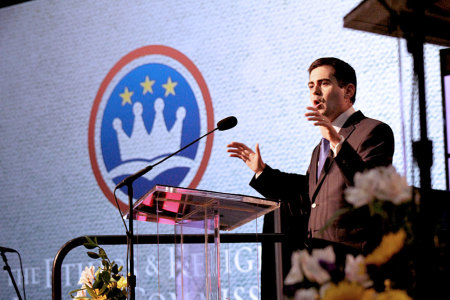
(4, 249)
(227, 123)
(224, 124)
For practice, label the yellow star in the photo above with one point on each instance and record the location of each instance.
(147, 85)
(170, 87)
(126, 96)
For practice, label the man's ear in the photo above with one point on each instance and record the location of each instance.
(349, 90)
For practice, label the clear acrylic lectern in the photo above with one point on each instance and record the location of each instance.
(194, 211)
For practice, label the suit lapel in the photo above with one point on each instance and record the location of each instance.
(345, 131)
(314, 161)
(350, 124)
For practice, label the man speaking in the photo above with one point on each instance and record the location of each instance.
(350, 143)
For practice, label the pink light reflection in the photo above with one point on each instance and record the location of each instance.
(171, 205)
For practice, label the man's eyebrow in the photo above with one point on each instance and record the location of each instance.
(319, 80)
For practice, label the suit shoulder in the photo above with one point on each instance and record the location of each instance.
(372, 123)
(368, 128)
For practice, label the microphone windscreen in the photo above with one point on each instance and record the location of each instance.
(227, 123)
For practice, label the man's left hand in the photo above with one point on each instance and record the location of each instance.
(326, 128)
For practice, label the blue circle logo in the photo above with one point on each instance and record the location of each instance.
(147, 109)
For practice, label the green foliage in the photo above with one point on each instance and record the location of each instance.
(108, 282)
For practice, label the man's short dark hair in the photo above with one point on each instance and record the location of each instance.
(343, 72)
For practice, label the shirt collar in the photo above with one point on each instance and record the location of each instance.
(342, 118)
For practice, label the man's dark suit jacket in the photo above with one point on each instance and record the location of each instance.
(368, 143)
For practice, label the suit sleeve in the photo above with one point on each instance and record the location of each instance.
(291, 189)
(279, 185)
(374, 150)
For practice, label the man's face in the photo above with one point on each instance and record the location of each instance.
(325, 93)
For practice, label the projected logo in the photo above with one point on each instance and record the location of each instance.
(150, 104)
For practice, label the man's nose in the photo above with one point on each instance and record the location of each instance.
(317, 90)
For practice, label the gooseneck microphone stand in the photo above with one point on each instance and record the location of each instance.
(7, 268)
(223, 124)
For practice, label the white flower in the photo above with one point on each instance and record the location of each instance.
(87, 276)
(392, 186)
(382, 183)
(306, 265)
(306, 294)
(81, 294)
(311, 264)
(355, 270)
(363, 191)
(314, 272)
(295, 274)
(325, 254)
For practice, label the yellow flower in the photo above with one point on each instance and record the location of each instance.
(390, 245)
(112, 285)
(347, 291)
(122, 283)
(393, 295)
(98, 296)
(369, 294)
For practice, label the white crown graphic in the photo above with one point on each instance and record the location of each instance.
(159, 142)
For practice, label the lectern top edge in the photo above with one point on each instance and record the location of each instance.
(190, 207)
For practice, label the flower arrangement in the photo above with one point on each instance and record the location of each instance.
(317, 275)
(104, 284)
